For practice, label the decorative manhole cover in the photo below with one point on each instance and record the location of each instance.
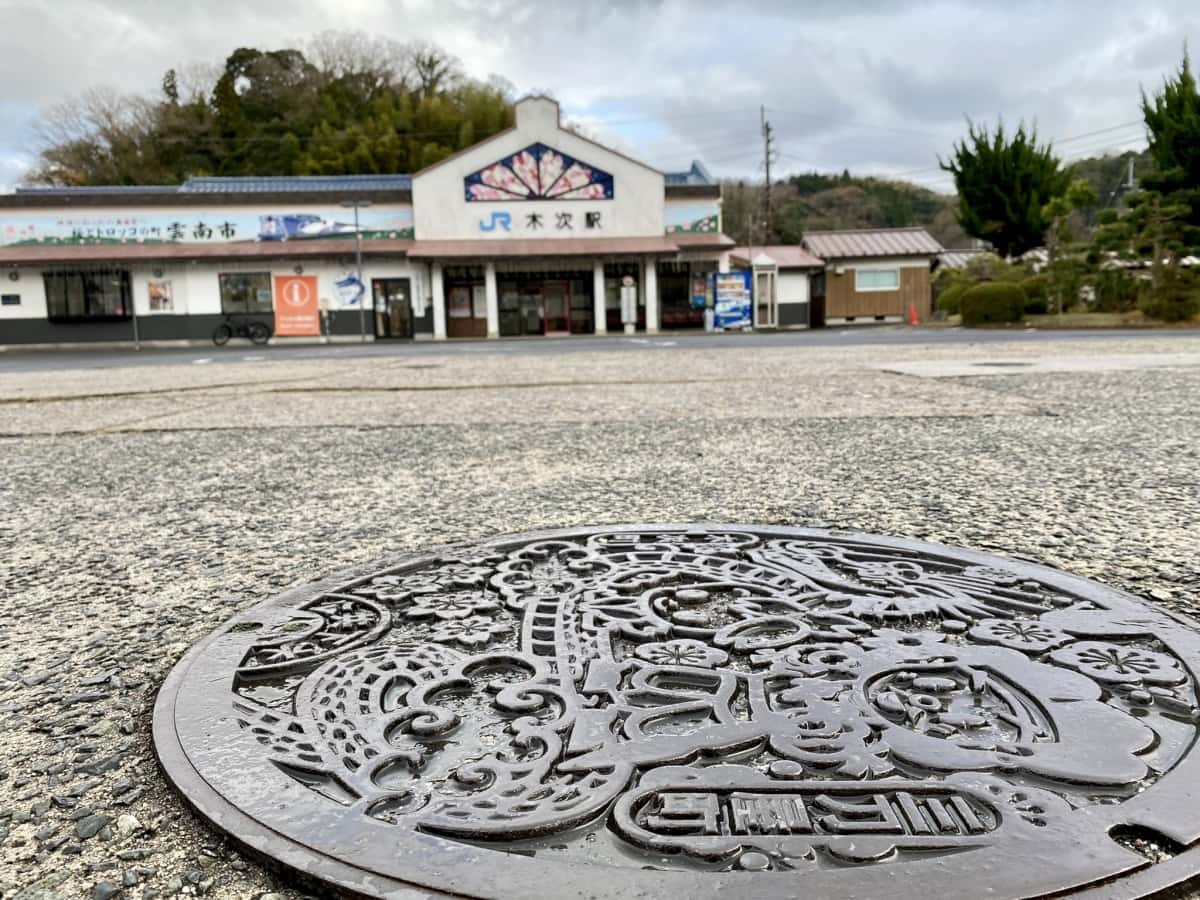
(702, 712)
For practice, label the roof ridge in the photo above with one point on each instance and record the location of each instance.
(862, 230)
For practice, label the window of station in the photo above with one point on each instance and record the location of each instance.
(94, 295)
(551, 302)
(246, 293)
(680, 305)
(466, 302)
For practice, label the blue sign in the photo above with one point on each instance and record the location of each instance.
(350, 289)
(732, 301)
(498, 220)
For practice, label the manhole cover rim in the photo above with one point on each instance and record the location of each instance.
(294, 854)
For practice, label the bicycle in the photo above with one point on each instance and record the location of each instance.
(257, 332)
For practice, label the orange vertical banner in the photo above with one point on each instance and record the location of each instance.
(296, 309)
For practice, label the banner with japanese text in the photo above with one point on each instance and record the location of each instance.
(297, 311)
(230, 225)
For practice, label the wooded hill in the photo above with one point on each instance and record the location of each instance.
(816, 201)
(349, 103)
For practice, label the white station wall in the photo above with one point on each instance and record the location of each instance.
(195, 286)
(441, 210)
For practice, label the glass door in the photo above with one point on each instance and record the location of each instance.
(556, 297)
(393, 308)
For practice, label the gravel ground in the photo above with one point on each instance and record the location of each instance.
(140, 514)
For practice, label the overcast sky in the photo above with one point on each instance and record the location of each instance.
(876, 86)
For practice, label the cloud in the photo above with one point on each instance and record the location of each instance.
(876, 85)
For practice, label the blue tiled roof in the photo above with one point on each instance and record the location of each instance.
(102, 189)
(697, 174)
(334, 184)
(293, 184)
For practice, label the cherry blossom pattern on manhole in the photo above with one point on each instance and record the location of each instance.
(709, 711)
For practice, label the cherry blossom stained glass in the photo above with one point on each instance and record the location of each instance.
(539, 173)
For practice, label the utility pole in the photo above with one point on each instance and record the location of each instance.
(1130, 185)
(362, 297)
(768, 138)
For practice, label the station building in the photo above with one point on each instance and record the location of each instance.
(533, 231)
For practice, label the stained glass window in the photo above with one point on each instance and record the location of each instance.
(539, 173)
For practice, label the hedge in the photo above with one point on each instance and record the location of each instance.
(1177, 299)
(949, 300)
(993, 303)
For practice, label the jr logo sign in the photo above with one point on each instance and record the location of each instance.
(500, 220)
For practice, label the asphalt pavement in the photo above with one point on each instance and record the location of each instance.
(145, 505)
(16, 359)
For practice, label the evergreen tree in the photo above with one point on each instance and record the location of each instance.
(1173, 127)
(277, 112)
(1004, 185)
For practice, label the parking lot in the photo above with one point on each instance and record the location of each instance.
(145, 503)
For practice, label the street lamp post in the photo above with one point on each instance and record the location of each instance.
(362, 297)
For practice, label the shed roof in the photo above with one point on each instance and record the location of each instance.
(872, 242)
(483, 248)
(68, 253)
(785, 256)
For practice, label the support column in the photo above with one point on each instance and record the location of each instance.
(493, 300)
(438, 290)
(599, 304)
(650, 280)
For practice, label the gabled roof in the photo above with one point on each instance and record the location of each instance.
(785, 256)
(872, 242)
(959, 259)
(697, 174)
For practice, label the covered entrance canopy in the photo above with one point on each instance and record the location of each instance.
(514, 287)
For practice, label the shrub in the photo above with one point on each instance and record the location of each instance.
(993, 303)
(1065, 280)
(1036, 288)
(950, 299)
(1175, 300)
(1115, 291)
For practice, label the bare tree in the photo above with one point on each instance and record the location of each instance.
(382, 61)
(196, 80)
(430, 68)
(99, 130)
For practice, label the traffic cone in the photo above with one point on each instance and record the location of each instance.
(912, 314)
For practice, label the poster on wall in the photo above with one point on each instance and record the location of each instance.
(479, 301)
(692, 218)
(297, 311)
(731, 300)
(458, 304)
(161, 297)
(214, 226)
(350, 290)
